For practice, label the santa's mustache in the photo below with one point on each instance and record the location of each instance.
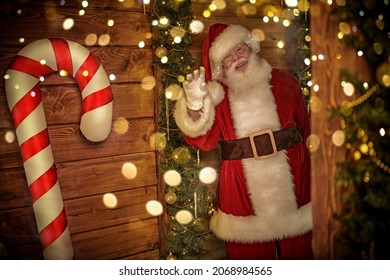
(235, 64)
(239, 62)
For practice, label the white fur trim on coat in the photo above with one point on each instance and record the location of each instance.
(257, 229)
(199, 127)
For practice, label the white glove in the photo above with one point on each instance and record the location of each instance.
(195, 88)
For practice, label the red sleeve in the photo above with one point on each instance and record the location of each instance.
(207, 141)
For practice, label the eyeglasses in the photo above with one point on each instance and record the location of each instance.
(238, 51)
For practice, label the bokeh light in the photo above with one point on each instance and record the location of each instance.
(313, 142)
(196, 26)
(338, 138)
(184, 217)
(172, 178)
(148, 83)
(129, 170)
(154, 207)
(104, 40)
(9, 137)
(91, 39)
(208, 175)
(110, 200)
(68, 24)
(120, 126)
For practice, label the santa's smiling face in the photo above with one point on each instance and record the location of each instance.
(237, 59)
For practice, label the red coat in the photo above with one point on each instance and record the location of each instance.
(233, 198)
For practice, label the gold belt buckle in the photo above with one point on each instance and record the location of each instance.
(254, 150)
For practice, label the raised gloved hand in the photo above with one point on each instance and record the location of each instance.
(195, 88)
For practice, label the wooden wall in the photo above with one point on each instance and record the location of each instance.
(326, 195)
(86, 170)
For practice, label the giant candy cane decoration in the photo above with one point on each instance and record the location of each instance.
(26, 70)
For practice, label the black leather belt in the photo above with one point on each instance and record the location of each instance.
(262, 144)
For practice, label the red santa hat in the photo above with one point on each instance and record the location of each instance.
(221, 39)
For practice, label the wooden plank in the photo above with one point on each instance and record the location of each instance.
(69, 144)
(117, 242)
(128, 64)
(147, 255)
(132, 28)
(62, 104)
(18, 227)
(326, 196)
(13, 189)
(272, 31)
(95, 176)
(127, 5)
(100, 175)
(90, 213)
(25, 252)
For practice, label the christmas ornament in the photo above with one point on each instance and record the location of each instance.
(158, 141)
(181, 154)
(177, 31)
(170, 197)
(171, 257)
(161, 52)
(27, 69)
(212, 210)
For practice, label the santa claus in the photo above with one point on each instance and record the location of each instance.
(258, 116)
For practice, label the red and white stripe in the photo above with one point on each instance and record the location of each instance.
(26, 70)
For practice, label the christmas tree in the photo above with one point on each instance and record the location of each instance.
(187, 199)
(364, 174)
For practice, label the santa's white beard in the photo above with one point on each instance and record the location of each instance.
(256, 74)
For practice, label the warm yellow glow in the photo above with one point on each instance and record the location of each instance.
(68, 24)
(184, 217)
(208, 175)
(196, 26)
(258, 34)
(348, 89)
(148, 83)
(357, 155)
(9, 137)
(104, 40)
(129, 170)
(154, 207)
(338, 138)
(206, 13)
(91, 39)
(164, 21)
(110, 200)
(63, 73)
(110, 22)
(172, 178)
(364, 148)
(141, 44)
(313, 142)
(120, 126)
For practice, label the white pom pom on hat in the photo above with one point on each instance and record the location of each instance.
(221, 39)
